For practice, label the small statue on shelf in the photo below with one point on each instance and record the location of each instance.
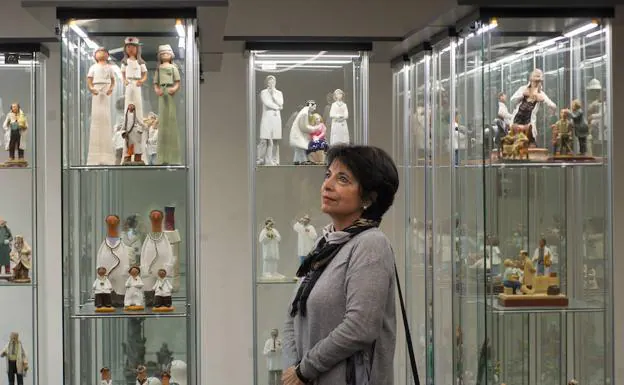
(142, 379)
(21, 256)
(156, 254)
(164, 356)
(273, 353)
(5, 247)
(543, 257)
(166, 84)
(590, 282)
(580, 126)
(134, 299)
(101, 82)
(306, 236)
(133, 237)
(515, 144)
(134, 74)
(270, 239)
(339, 113)
(270, 124)
(17, 361)
(132, 132)
(565, 130)
(178, 373)
(15, 127)
(165, 378)
(528, 275)
(162, 289)
(317, 147)
(105, 376)
(102, 289)
(113, 256)
(300, 132)
(151, 146)
(511, 276)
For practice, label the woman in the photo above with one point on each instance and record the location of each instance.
(341, 324)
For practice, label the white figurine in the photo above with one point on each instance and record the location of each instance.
(156, 253)
(162, 292)
(132, 132)
(134, 298)
(339, 114)
(134, 74)
(306, 237)
(21, 256)
(273, 354)
(270, 239)
(178, 372)
(103, 289)
(300, 132)
(270, 124)
(151, 145)
(113, 256)
(132, 237)
(101, 81)
(543, 258)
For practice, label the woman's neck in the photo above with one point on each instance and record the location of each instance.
(341, 223)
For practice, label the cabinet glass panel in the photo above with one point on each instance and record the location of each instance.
(22, 83)
(130, 122)
(300, 104)
(531, 199)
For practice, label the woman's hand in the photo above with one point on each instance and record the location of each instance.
(289, 377)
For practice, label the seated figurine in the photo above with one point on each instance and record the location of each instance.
(511, 276)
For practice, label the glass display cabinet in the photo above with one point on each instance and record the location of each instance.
(304, 100)
(22, 82)
(130, 224)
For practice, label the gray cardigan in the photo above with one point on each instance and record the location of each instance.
(350, 313)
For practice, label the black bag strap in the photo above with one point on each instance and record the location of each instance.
(408, 335)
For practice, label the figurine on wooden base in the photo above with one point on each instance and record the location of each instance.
(163, 289)
(511, 277)
(105, 376)
(515, 145)
(543, 257)
(134, 299)
(565, 131)
(21, 256)
(102, 289)
(270, 239)
(15, 126)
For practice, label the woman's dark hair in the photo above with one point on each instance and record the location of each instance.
(374, 170)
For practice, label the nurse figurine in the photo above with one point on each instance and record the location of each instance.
(166, 84)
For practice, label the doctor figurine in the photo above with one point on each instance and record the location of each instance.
(113, 256)
(166, 84)
(542, 256)
(142, 379)
(300, 132)
(101, 81)
(134, 74)
(162, 289)
(21, 256)
(15, 128)
(102, 288)
(132, 132)
(526, 101)
(339, 114)
(156, 254)
(306, 237)
(270, 124)
(273, 354)
(134, 299)
(270, 239)
(105, 376)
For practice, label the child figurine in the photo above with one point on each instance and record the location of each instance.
(15, 126)
(134, 74)
(151, 148)
(166, 84)
(105, 376)
(565, 130)
(581, 129)
(132, 132)
(134, 299)
(511, 276)
(102, 289)
(21, 256)
(318, 145)
(101, 82)
(162, 289)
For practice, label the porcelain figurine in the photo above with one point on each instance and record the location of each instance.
(101, 82)
(134, 74)
(270, 124)
(273, 353)
(133, 237)
(118, 140)
(156, 253)
(580, 127)
(565, 131)
(16, 359)
(143, 379)
(543, 258)
(102, 290)
(339, 113)
(151, 146)
(113, 256)
(163, 290)
(318, 145)
(132, 132)
(306, 236)
(526, 101)
(515, 144)
(16, 129)
(166, 85)
(6, 237)
(270, 239)
(105, 376)
(178, 373)
(21, 256)
(300, 132)
(134, 298)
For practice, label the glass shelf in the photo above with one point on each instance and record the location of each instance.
(88, 311)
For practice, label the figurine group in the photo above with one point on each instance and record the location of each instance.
(176, 376)
(531, 275)
(15, 135)
(135, 134)
(307, 128)
(16, 252)
(571, 124)
(120, 276)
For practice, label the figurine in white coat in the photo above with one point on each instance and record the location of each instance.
(156, 253)
(132, 132)
(300, 132)
(270, 239)
(162, 290)
(134, 74)
(339, 113)
(273, 353)
(134, 299)
(113, 256)
(270, 124)
(306, 237)
(101, 81)
(103, 289)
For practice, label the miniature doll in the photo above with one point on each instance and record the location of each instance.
(270, 239)
(5, 247)
(151, 146)
(132, 132)
(134, 299)
(118, 143)
(565, 130)
(273, 353)
(21, 256)
(162, 289)
(511, 276)
(270, 124)
(339, 113)
(105, 376)
(15, 128)
(166, 84)
(141, 376)
(543, 257)
(581, 129)
(317, 145)
(300, 132)
(134, 74)
(113, 256)
(164, 356)
(527, 100)
(101, 81)
(306, 237)
(156, 254)
(17, 361)
(102, 289)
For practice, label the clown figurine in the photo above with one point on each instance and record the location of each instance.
(166, 84)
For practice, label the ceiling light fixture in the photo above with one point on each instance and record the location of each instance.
(585, 28)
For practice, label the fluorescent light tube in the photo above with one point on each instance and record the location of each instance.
(578, 31)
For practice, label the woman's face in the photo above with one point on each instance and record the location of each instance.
(340, 192)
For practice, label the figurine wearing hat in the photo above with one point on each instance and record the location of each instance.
(306, 237)
(101, 81)
(134, 74)
(134, 299)
(166, 84)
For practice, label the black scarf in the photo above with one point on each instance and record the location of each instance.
(315, 263)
